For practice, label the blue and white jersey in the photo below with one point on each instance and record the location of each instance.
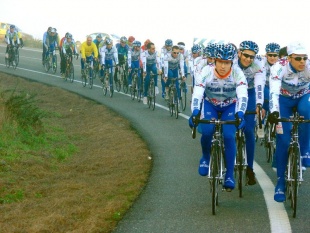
(150, 59)
(286, 81)
(135, 55)
(163, 53)
(108, 54)
(171, 63)
(10, 36)
(125, 52)
(267, 68)
(220, 92)
(256, 77)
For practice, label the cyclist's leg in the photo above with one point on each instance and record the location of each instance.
(229, 132)
(62, 63)
(166, 85)
(304, 130)
(283, 141)
(207, 131)
(43, 53)
(147, 81)
(109, 63)
(154, 70)
(82, 65)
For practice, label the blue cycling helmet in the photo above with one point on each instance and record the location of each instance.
(12, 26)
(123, 39)
(108, 41)
(272, 48)
(68, 35)
(168, 42)
(249, 45)
(196, 48)
(136, 43)
(225, 52)
(99, 35)
(210, 50)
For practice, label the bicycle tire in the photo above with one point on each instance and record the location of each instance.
(90, 82)
(125, 83)
(47, 65)
(241, 164)
(215, 150)
(295, 156)
(17, 57)
(176, 104)
(170, 103)
(104, 85)
(151, 96)
(54, 67)
(183, 98)
(71, 77)
(111, 90)
(83, 80)
(118, 84)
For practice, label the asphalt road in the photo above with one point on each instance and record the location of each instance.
(176, 198)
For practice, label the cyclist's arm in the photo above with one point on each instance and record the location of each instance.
(95, 50)
(129, 57)
(82, 51)
(143, 60)
(166, 67)
(182, 65)
(200, 85)
(275, 80)
(241, 89)
(158, 61)
(102, 55)
(115, 55)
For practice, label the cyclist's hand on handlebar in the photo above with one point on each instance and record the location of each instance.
(191, 122)
(159, 71)
(240, 116)
(273, 117)
(260, 108)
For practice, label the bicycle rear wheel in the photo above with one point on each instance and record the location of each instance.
(17, 57)
(171, 103)
(84, 79)
(90, 82)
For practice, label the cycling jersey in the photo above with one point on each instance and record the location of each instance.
(220, 92)
(256, 77)
(88, 50)
(52, 40)
(135, 55)
(123, 53)
(108, 55)
(69, 45)
(171, 63)
(285, 81)
(163, 53)
(150, 59)
(11, 37)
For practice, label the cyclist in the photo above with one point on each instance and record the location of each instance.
(193, 61)
(68, 49)
(61, 54)
(254, 70)
(51, 42)
(108, 54)
(135, 60)
(185, 55)
(151, 62)
(172, 63)
(221, 88)
(209, 52)
(20, 37)
(44, 39)
(289, 87)
(9, 39)
(166, 49)
(131, 39)
(99, 41)
(144, 46)
(272, 56)
(88, 52)
(124, 53)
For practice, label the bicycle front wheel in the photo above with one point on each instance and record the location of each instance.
(71, 74)
(214, 166)
(176, 105)
(152, 96)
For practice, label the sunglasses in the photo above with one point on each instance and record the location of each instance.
(175, 52)
(300, 58)
(248, 56)
(272, 55)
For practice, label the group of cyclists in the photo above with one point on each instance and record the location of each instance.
(226, 80)
(237, 81)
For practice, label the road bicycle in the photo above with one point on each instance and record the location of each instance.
(11, 59)
(173, 101)
(135, 89)
(121, 78)
(240, 161)
(69, 71)
(107, 81)
(217, 164)
(87, 73)
(151, 96)
(51, 60)
(293, 174)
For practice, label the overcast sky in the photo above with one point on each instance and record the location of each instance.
(261, 21)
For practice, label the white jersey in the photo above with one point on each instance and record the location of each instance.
(284, 81)
(150, 59)
(108, 54)
(256, 77)
(267, 68)
(220, 92)
(173, 63)
(163, 53)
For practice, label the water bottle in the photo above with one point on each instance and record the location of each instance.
(279, 128)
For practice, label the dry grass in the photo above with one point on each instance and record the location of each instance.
(90, 191)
